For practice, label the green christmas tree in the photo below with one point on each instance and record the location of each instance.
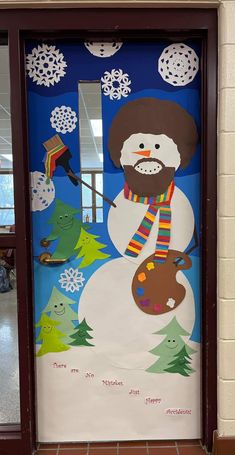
(81, 335)
(50, 336)
(59, 308)
(89, 249)
(181, 363)
(65, 228)
(169, 347)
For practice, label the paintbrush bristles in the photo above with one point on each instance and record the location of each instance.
(53, 142)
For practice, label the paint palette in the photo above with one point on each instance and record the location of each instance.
(154, 286)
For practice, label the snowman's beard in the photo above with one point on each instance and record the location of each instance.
(148, 185)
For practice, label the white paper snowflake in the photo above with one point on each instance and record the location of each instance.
(45, 65)
(116, 84)
(102, 48)
(71, 280)
(42, 193)
(178, 64)
(63, 119)
(171, 302)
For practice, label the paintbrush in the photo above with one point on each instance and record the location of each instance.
(58, 154)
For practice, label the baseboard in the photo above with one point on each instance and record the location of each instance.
(223, 445)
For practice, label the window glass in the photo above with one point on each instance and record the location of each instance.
(91, 149)
(7, 218)
(87, 215)
(99, 187)
(86, 192)
(99, 215)
(9, 359)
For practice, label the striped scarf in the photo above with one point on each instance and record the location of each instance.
(159, 203)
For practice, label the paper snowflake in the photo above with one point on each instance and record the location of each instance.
(178, 64)
(71, 280)
(45, 65)
(116, 84)
(42, 193)
(63, 119)
(103, 49)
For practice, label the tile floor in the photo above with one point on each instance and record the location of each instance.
(186, 447)
(9, 371)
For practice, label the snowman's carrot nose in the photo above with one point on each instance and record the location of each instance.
(143, 153)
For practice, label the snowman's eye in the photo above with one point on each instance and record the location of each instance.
(157, 146)
(141, 146)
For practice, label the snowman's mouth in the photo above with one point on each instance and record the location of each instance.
(149, 166)
(148, 183)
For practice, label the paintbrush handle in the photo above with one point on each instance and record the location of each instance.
(71, 174)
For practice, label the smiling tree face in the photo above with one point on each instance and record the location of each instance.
(60, 311)
(89, 249)
(170, 347)
(50, 336)
(47, 328)
(63, 216)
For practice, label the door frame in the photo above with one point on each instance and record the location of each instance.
(144, 21)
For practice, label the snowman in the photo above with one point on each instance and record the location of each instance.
(152, 223)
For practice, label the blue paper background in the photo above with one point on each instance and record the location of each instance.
(139, 60)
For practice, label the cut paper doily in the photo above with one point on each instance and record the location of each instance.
(178, 64)
(45, 65)
(42, 193)
(103, 49)
(71, 280)
(116, 84)
(63, 119)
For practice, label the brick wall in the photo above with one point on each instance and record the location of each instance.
(226, 192)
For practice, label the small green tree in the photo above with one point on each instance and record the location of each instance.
(81, 335)
(59, 308)
(171, 345)
(89, 249)
(181, 363)
(50, 336)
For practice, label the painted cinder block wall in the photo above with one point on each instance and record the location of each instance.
(226, 220)
(226, 188)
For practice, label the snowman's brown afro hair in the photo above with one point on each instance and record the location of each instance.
(153, 116)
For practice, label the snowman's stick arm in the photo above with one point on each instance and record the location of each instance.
(63, 161)
(193, 247)
(78, 179)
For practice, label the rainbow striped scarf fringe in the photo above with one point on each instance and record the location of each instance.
(159, 203)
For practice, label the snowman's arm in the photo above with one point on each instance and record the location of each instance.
(196, 241)
(52, 236)
(192, 248)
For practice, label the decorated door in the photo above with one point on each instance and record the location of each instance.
(114, 139)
